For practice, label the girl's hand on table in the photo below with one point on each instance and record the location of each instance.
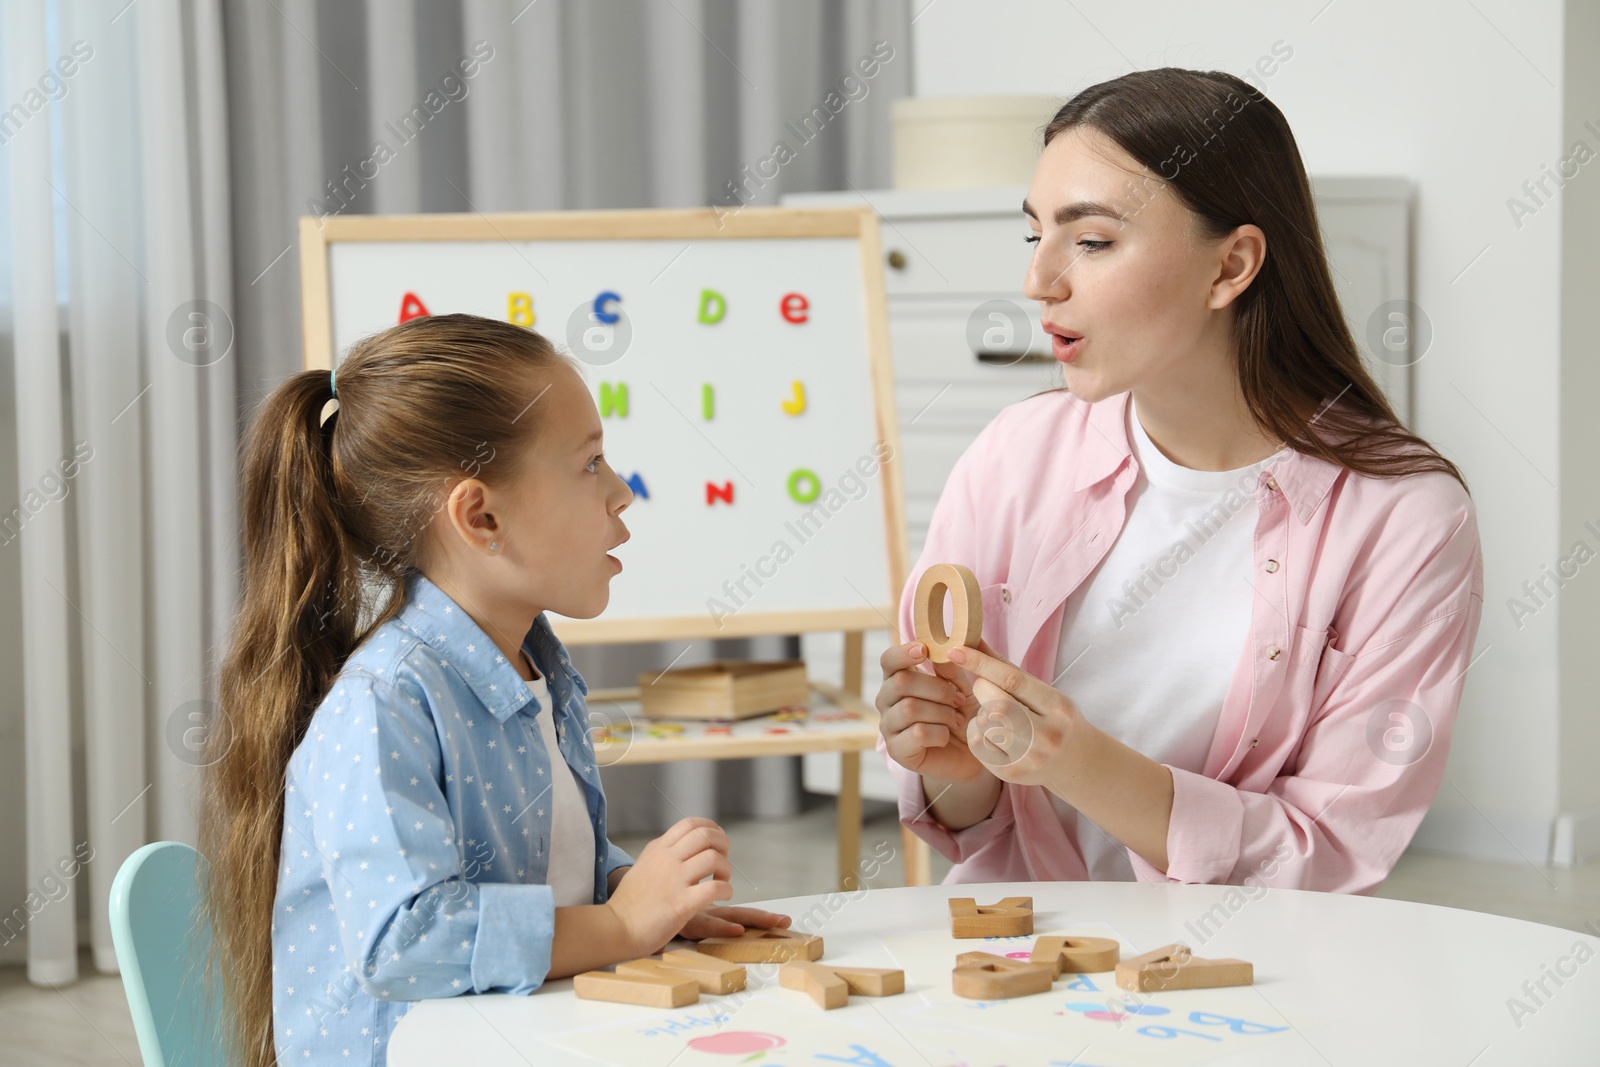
(679, 874)
(725, 921)
(1023, 728)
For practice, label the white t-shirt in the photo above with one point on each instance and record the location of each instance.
(1150, 640)
(571, 868)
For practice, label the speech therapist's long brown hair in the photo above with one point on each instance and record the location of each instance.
(332, 520)
(1227, 153)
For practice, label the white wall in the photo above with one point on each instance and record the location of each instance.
(1468, 106)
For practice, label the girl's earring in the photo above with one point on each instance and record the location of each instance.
(494, 546)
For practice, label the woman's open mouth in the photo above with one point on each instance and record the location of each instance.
(1065, 349)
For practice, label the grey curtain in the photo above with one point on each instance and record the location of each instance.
(118, 411)
(574, 104)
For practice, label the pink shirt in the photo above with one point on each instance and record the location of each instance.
(1332, 739)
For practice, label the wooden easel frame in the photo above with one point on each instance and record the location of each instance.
(316, 237)
(914, 852)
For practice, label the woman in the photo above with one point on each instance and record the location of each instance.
(1229, 600)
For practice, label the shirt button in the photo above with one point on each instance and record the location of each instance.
(1272, 484)
(1005, 594)
(1274, 652)
(1272, 566)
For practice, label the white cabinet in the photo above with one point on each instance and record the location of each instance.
(966, 342)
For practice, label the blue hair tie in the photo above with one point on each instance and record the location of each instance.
(331, 389)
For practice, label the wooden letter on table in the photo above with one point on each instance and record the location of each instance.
(775, 945)
(1174, 967)
(1012, 917)
(831, 986)
(985, 976)
(652, 991)
(1076, 955)
(714, 975)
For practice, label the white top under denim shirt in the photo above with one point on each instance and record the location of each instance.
(418, 830)
(571, 836)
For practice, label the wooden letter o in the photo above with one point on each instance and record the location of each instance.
(927, 612)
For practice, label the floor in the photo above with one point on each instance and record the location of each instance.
(87, 1022)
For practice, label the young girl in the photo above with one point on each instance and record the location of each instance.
(406, 804)
(1231, 599)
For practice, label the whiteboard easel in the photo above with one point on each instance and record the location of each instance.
(358, 272)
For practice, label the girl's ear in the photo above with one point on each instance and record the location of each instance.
(467, 513)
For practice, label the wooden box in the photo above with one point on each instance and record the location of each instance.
(723, 689)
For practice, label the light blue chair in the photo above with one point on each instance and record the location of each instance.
(162, 943)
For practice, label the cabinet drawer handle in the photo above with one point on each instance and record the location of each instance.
(897, 259)
(1011, 359)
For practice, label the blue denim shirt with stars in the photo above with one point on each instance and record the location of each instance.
(416, 831)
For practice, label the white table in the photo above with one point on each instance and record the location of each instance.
(1346, 980)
